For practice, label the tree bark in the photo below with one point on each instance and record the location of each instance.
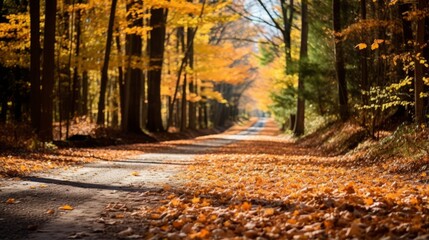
(156, 54)
(339, 62)
(184, 120)
(48, 74)
(133, 77)
(192, 106)
(303, 58)
(35, 64)
(76, 97)
(104, 70)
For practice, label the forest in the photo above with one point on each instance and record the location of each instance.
(176, 65)
(259, 119)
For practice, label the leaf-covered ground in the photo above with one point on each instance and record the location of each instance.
(267, 187)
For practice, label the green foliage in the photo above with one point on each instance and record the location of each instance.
(267, 54)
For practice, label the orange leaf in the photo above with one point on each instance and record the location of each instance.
(246, 206)
(11, 201)
(361, 46)
(368, 201)
(66, 207)
(178, 224)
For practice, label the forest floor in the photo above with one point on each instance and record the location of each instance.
(250, 184)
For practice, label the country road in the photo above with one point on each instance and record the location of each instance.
(89, 188)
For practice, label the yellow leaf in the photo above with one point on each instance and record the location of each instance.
(66, 207)
(23, 168)
(361, 46)
(11, 201)
(375, 46)
(424, 174)
(195, 200)
(175, 202)
(269, 212)
(135, 174)
(119, 215)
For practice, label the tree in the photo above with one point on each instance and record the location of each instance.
(303, 59)
(104, 70)
(339, 62)
(134, 82)
(35, 64)
(287, 14)
(48, 73)
(156, 54)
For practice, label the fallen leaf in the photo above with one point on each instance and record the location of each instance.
(66, 207)
(246, 206)
(368, 201)
(135, 174)
(50, 211)
(269, 212)
(11, 201)
(195, 200)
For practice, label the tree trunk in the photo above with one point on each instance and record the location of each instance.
(303, 58)
(48, 74)
(287, 16)
(339, 62)
(364, 65)
(76, 86)
(419, 68)
(184, 120)
(35, 64)
(104, 70)
(156, 54)
(85, 92)
(121, 81)
(133, 77)
(192, 106)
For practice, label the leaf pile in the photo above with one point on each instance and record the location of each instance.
(266, 187)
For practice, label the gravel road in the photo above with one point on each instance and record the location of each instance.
(89, 188)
